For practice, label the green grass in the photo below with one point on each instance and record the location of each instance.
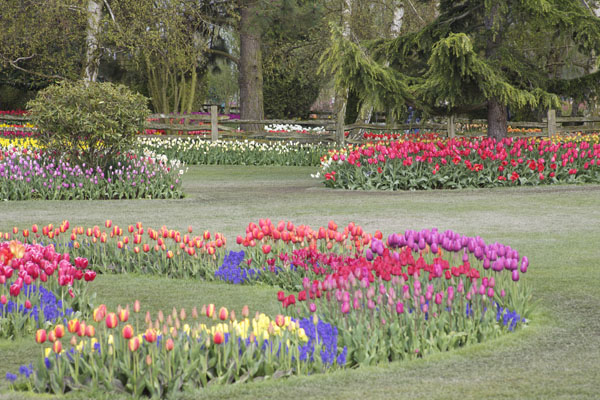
(556, 356)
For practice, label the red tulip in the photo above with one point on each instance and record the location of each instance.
(59, 331)
(111, 320)
(127, 331)
(40, 336)
(73, 326)
(150, 335)
(223, 313)
(169, 344)
(89, 275)
(57, 347)
(27, 304)
(210, 310)
(266, 248)
(3, 300)
(134, 343)
(218, 338)
(124, 315)
(90, 331)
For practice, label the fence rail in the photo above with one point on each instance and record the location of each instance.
(222, 127)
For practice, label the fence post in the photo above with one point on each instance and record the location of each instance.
(214, 128)
(551, 122)
(451, 126)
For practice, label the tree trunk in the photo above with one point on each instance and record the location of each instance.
(497, 114)
(251, 76)
(497, 119)
(93, 54)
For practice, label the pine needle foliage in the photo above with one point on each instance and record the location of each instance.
(517, 53)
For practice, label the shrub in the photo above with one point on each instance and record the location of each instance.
(88, 122)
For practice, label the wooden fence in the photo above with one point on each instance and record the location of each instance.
(221, 127)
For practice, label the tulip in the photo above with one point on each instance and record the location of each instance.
(399, 307)
(3, 300)
(136, 306)
(169, 344)
(223, 314)
(111, 320)
(57, 347)
(124, 315)
(59, 331)
(28, 304)
(52, 336)
(127, 332)
(266, 248)
(134, 343)
(90, 331)
(312, 307)
(40, 336)
(210, 310)
(218, 338)
(150, 335)
(279, 320)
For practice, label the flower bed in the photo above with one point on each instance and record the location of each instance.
(461, 163)
(113, 249)
(39, 286)
(27, 173)
(197, 151)
(349, 298)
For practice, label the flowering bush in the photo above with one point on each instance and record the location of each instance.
(461, 162)
(197, 151)
(31, 174)
(39, 286)
(112, 249)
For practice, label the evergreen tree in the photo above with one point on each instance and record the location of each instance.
(474, 55)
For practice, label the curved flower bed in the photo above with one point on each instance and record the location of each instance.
(348, 298)
(39, 286)
(462, 163)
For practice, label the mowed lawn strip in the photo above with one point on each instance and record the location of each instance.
(558, 228)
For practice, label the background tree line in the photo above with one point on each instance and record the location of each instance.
(477, 58)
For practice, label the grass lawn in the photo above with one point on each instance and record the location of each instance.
(558, 228)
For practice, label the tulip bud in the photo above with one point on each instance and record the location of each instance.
(57, 347)
(134, 343)
(136, 306)
(194, 312)
(59, 331)
(52, 336)
(90, 331)
(73, 341)
(150, 336)
(161, 316)
(40, 336)
(223, 313)
(210, 310)
(232, 316)
(123, 315)
(182, 314)
(245, 311)
(218, 338)
(127, 332)
(169, 344)
(111, 320)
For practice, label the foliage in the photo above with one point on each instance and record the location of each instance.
(90, 123)
(41, 42)
(471, 54)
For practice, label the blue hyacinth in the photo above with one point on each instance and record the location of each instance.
(230, 271)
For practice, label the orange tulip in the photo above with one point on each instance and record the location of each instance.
(90, 331)
(169, 344)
